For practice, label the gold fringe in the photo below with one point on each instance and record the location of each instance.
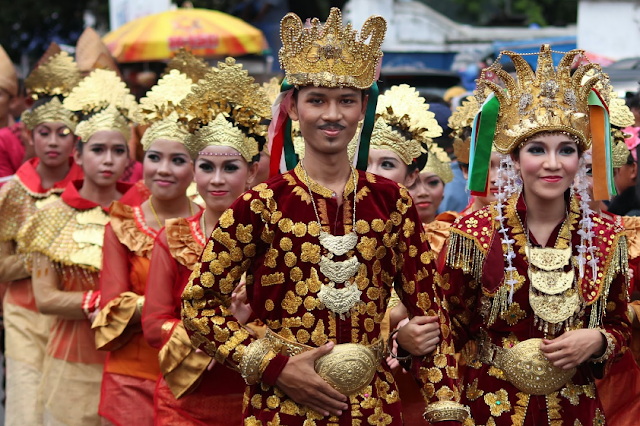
(463, 253)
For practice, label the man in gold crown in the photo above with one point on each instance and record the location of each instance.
(322, 246)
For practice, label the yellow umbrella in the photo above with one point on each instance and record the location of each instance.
(204, 32)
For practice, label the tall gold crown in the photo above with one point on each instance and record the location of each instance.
(229, 94)
(187, 63)
(106, 100)
(547, 100)
(439, 163)
(401, 111)
(55, 75)
(329, 55)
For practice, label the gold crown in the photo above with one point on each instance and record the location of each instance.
(229, 90)
(58, 74)
(50, 112)
(169, 128)
(109, 118)
(619, 113)
(222, 132)
(547, 100)
(439, 163)
(104, 97)
(187, 63)
(329, 55)
(401, 107)
(163, 98)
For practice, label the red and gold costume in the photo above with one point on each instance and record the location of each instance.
(188, 392)
(26, 330)
(132, 367)
(271, 233)
(64, 239)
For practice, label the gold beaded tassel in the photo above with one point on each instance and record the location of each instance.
(463, 253)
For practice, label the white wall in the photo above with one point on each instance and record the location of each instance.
(609, 28)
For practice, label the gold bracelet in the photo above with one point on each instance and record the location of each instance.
(442, 411)
(255, 359)
(611, 344)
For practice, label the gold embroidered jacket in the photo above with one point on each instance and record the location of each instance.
(271, 233)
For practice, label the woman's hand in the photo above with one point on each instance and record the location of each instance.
(239, 306)
(574, 347)
(420, 335)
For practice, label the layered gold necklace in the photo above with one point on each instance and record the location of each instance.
(552, 292)
(338, 300)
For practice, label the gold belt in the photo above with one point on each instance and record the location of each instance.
(524, 365)
(349, 367)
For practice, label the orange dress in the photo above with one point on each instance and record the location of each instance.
(132, 368)
(187, 393)
(64, 239)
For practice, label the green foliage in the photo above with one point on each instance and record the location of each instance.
(542, 12)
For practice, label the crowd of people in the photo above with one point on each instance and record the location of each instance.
(282, 255)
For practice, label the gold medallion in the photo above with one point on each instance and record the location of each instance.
(548, 258)
(339, 300)
(348, 368)
(338, 244)
(555, 309)
(549, 282)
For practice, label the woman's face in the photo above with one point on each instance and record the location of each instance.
(548, 163)
(386, 163)
(222, 176)
(104, 157)
(167, 169)
(427, 194)
(53, 144)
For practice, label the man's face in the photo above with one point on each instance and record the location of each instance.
(328, 117)
(625, 177)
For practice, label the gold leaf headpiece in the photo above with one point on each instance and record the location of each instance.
(619, 113)
(403, 108)
(187, 63)
(272, 89)
(57, 75)
(227, 91)
(50, 112)
(439, 163)
(329, 55)
(163, 98)
(221, 132)
(619, 150)
(109, 118)
(547, 100)
(105, 98)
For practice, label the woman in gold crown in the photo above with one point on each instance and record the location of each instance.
(226, 110)
(549, 314)
(132, 369)
(39, 180)
(64, 242)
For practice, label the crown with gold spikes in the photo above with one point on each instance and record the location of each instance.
(105, 102)
(227, 101)
(401, 111)
(331, 55)
(188, 64)
(438, 163)
(55, 75)
(548, 100)
(460, 123)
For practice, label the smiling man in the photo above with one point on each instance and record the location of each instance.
(321, 246)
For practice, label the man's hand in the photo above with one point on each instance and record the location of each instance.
(420, 335)
(239, 306)
(301, 383)
(573, 347)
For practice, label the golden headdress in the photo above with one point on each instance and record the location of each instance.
(8, 75)
(329, 55)
(272, 88)
(105, 101)
(226, 108)
(188, 64)
(55, 76)
(401, 107)
(158, 108)
(548, 100)
(621, 117)
(439, 163)
(460, 123)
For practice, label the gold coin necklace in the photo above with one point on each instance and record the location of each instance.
(338, 300)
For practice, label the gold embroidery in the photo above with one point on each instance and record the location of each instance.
(553, 409)
(269, 305)
(313, 229)
(243, 233)
(290, 259)
(362, 227)
(598, 419)
(520, 409)
(473, 392)
(498, 402)
(226, 220)
(310, 253)
(572, 393)
(367, 247)
(318, 337)
(291, 302)
(379, 417)
(296, 274)
(272, 279)
(257, 206)
(286, 244)
(256, 401)
(589, 390)
(299, 229)
(270, 258)
(514, 314)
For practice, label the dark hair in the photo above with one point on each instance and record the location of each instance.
(45, 100)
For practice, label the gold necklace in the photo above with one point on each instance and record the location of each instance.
(339, 301)
(155, 214)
